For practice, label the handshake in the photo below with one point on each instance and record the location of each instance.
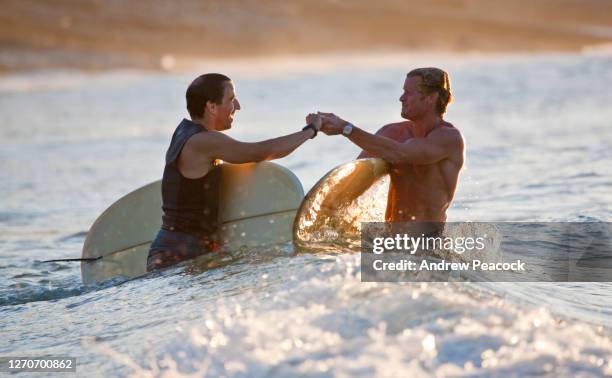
(329, 123)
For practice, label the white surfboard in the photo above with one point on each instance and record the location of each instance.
(331, 213)
(257, 206)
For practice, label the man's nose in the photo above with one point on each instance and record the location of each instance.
(237, 105)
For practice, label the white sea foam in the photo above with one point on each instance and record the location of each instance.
(323, 319)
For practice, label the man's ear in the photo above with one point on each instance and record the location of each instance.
(211, 107)
(432, 99)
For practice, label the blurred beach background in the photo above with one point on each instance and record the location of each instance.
(91, 91)
(97, 34)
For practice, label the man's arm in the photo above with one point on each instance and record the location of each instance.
(385, 131)
(438, 145)
(217, 145)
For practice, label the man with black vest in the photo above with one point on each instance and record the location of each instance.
(190, 184)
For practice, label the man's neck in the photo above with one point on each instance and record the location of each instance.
(202, 122)
(423, 126)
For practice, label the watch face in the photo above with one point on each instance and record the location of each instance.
(347, 129)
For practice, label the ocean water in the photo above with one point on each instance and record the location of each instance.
(539, 135)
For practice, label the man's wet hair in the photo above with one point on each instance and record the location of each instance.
(207, 87)
(434, 80)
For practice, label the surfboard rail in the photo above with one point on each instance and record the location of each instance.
(325, 213)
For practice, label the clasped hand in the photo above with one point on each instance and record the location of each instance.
(329, 123)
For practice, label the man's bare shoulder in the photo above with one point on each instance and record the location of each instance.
(448, 134)
(447, 130)
(397, 125)
(395, 130)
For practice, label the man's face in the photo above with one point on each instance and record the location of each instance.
(414, 104)
(225, 111)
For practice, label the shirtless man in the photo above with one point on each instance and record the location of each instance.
(190, 184)
(426, 153)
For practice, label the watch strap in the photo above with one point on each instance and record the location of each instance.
(311, 126)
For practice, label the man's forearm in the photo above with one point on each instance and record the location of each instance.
(282, 146)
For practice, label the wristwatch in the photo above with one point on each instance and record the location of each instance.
(348, 129)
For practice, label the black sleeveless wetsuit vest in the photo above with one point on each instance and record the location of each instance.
(190, 205)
